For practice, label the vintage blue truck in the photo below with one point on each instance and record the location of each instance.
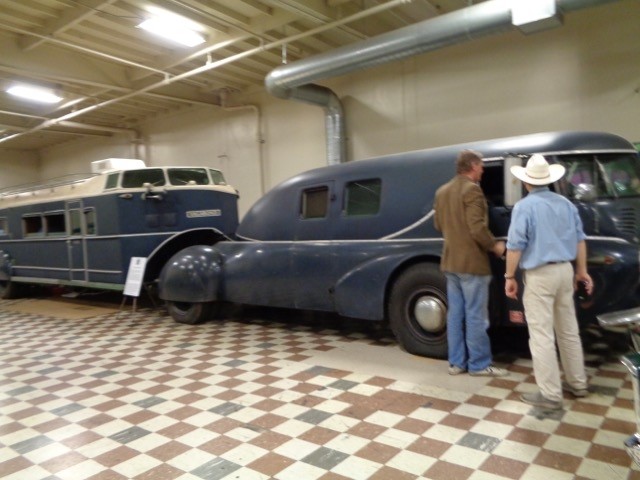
(81, 231)
(358, 238)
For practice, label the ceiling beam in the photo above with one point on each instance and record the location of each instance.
(67, 19)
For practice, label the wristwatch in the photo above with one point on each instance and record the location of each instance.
(508, 277)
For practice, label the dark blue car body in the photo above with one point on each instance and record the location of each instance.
(307, 244)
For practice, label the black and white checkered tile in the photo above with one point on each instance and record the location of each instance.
(137, 396)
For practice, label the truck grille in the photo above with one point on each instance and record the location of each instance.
(627, 221)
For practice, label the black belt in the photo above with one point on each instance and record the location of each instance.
(555, 263)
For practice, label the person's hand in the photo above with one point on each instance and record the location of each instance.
(511, 288)
(586, 280)
(499, 248)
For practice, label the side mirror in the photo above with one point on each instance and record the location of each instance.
(149, 193)
(585, 192)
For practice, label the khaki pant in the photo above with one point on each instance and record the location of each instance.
(550, 313)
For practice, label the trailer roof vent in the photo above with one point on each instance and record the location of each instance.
(108, 164)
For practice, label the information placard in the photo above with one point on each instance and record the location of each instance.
(135, 275)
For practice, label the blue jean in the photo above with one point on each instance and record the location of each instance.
(467, 321)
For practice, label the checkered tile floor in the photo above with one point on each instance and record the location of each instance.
(140, 397)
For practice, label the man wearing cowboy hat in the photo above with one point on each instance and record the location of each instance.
(545, 236)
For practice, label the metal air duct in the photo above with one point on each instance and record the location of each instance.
(293, 81)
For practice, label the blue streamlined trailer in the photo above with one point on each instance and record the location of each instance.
(358, 238)
(82, 231)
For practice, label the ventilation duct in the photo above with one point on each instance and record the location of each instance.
(294, 81)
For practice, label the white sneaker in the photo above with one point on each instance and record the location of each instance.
(454, 370)
(490, 371)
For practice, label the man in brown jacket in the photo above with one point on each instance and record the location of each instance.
(461, 215)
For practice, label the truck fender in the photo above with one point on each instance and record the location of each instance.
(192, 275)
(368, 280)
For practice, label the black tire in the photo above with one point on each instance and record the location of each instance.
(192, 313)
(418, 311)
(8, 290)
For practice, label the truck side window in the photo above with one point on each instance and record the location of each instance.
(217, 177)
(362, 197)
(4, 226)
(112, 180)
(315, 202)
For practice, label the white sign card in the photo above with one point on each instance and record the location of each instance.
(135, 275)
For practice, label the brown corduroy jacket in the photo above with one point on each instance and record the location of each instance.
(461, 215)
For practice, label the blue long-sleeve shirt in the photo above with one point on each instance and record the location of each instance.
(545, 227)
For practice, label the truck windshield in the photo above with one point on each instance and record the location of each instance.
(137, 178)
(606, 175)
(188, 176)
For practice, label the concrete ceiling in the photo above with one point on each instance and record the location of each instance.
(113, 75)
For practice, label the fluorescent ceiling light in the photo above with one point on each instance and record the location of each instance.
(532, 16)
(532, 11)
(35, 94)
(173, 28)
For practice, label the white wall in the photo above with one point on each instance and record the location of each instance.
(224, 139)
(76, 157)
(584, 75)
(18, 167)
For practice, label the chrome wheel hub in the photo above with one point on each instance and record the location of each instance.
(430, 313)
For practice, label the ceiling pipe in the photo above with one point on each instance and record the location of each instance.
(205, 68)
(293, 81)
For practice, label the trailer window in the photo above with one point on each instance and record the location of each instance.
(90, 221)
(315, 202)
(188, 176)
(4, 226)
(363, 197)
(32, 226)
(55, 224)
(137, 178)
(75, 227)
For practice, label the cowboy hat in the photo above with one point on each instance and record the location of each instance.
(538, 171)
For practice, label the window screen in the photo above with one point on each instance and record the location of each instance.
(315, 202)
(363, 197)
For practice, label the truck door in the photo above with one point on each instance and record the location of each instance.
(76, 241)
(313, 260)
